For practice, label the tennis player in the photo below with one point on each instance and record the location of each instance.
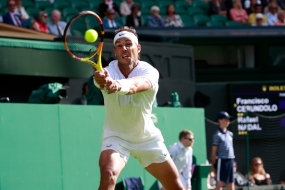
(129, 87)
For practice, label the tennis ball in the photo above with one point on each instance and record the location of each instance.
(91, 35)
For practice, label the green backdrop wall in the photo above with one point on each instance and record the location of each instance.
(44, 147)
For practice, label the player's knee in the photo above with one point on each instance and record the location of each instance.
(109, 176)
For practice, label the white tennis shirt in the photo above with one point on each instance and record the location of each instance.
(129, 116)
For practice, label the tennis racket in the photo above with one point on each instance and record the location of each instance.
(80, 49)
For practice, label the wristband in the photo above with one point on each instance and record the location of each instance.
(125, 86)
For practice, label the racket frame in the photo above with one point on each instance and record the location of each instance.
(98, 52)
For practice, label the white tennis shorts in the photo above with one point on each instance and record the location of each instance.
(147, 152)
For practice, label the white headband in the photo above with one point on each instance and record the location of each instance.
(126, 34)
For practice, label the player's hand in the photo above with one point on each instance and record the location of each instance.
(101, 78)
(112, 86)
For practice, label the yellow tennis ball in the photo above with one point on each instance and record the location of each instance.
(91, 35)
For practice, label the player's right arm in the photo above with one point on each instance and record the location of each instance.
(100, 78)
(126, 86)
(147, 79)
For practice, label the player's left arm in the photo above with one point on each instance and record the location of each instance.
(139, 84)
(147, 80)
(128, 86)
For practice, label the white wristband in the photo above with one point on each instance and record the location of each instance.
(125, 86)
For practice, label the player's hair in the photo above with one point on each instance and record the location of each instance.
(184, 133)
(128, 29)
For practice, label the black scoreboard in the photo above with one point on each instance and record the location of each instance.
(262, 98)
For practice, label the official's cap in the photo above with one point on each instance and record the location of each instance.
(223, 115)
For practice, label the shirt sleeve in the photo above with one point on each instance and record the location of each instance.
(151, 74)
(216, 139)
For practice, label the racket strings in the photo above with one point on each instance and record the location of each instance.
(76, 43)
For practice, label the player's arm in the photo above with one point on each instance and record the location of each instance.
(148, 79)
(101, 78)
(136, 84)
(124, 86)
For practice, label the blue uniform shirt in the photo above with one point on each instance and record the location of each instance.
(224, 141)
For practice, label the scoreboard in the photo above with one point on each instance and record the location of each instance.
(262, 98)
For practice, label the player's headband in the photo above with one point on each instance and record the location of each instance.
(126, 34)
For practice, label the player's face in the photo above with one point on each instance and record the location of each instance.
(126, 51)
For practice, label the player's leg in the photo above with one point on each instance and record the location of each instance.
(113, 158)
(154, 157)
(166, 172)
(111, 164)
